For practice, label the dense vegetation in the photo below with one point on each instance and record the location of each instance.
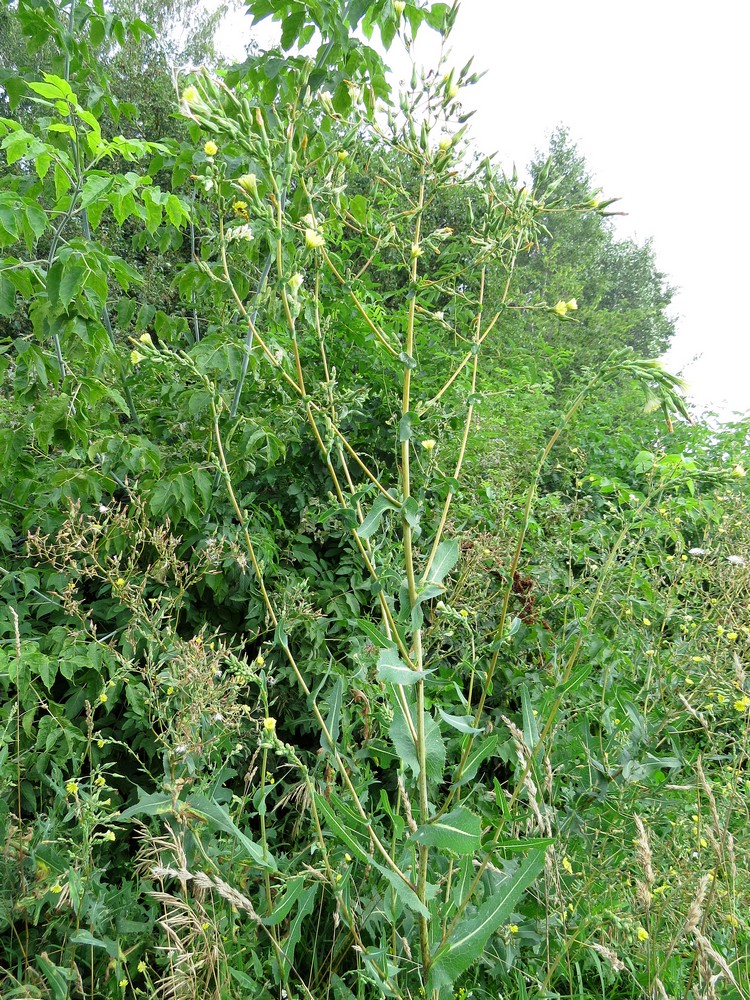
(374, 619)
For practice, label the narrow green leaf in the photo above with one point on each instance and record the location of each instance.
(530, 728)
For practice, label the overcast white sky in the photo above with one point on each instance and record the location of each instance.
(655, 93)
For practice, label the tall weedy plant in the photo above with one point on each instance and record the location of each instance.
(365, 324)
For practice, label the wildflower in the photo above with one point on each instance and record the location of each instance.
(180, 748)
(642, 934)
(141, 966)
(135, 357)
(440, 315)
(452, 91)
(103, 509)
(109, 835)
(295, 282)
(240, 208)
(731, 636)
(100, 782)
(342, 156)
(123, 983)
(190, 95)
(445, 144)
(646, 622)
(103, 698)
(347, 857)
(240, 233)
(100, 743)
(689, 682)
(170, 689)
(119, 582)
(313, 239)
(210, 148)
(560, 308)
(248, 183)
(464, 613)
(71, 788)
(720, 630)
(399, 7)
(567, 865)
(742, 704)
(735, 560)
(429, 444)
(697, 552)
(650, 652)
(259, 660)
(440, 605)
(572, 305)
(513, 928)
(739, 471)
(269, 724)
(56, 888)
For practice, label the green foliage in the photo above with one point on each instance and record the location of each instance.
(357, 622)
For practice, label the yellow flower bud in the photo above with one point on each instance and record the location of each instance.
(313, 239)
(399, 6)
(248, 183)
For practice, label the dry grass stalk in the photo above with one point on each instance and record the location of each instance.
(606, 952)
(524, 759)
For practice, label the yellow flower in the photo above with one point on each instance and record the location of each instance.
(145, 338)
(742, 704)
(100, 782)
(561, 308)
(513, 928)
(567, 865)
(109, 835)
(642, 934)
(259, 660)
(210, 148)
(572, 305)
(399, 6)
(342, 156)
(739, 471)
(248, 183)
(190, 95)
(731, 636)
(56, 888)
(71, 788)
(429, 444)
(123, 983)
(646, 621)
(135, 357)
(170, 689)
(103, 697)
(269, 724)
(141, 966)
(445, 144)
(119, 582)
(313, 239)
(240, 207)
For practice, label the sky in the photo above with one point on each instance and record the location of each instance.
(655, 95)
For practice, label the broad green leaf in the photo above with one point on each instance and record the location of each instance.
(445, 559)
(463, 723)
(94, 187)
(406, 749)
(371, 523)
(459, 831)
(71, 282)
(471, 934)
(392, 669)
